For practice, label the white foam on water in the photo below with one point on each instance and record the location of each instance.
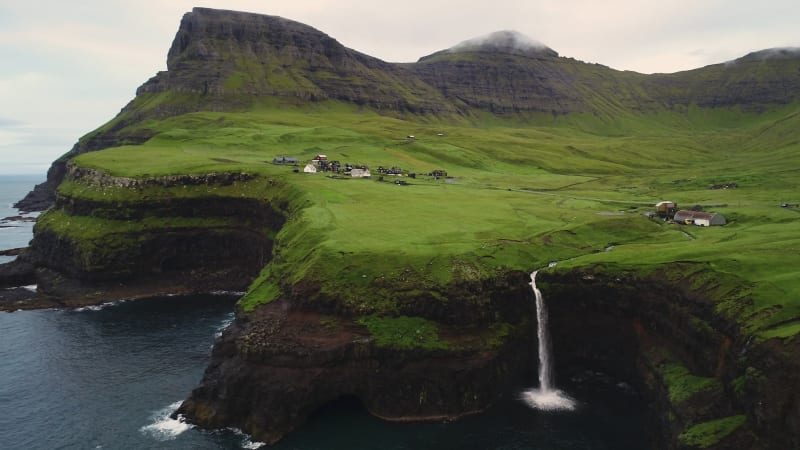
(233, 293)
(99, 307)
(549, 400)
(252, 445)
(247, 442)
(89, 308)
(164, 427)
(31, 287)
(225, 324)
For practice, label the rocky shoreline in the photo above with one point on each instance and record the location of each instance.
(23, 287)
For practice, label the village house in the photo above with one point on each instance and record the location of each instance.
(310, 168)
(395, 171)
(699, 218)
(359, 173)
(285, 160)
(666, 209)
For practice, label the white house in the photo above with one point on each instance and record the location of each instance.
(359, 173)
(310, 168)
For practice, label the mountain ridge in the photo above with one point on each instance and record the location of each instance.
(226, 60)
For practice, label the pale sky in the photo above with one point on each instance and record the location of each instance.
(68, 67)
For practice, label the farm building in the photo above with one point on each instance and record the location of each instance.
(285, 160)
(666, 209)
(359, 173)
(699, 218)
(310, 168)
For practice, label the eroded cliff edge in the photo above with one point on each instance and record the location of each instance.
(110, 237)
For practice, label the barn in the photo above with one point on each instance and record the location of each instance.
(699, 218)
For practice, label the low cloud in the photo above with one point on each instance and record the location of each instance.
(501, 40)
(770, 53)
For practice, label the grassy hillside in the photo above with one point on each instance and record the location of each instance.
(517, 196)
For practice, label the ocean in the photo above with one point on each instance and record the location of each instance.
(108, 377)
(15, 233)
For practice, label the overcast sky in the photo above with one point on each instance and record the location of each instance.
(68, 67)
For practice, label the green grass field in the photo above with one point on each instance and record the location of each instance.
(519, 195)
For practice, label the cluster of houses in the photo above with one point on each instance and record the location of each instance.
(669, 211)
(321, 163)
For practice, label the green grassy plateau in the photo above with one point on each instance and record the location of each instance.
(520, 193)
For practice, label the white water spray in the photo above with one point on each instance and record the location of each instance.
(546, 397)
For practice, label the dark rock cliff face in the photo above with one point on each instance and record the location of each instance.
(631, 328)
(503, 82)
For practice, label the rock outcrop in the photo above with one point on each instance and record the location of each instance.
(276, 366)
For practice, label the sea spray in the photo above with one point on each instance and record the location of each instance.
(99, 307)
(546, 397)
(226, 322)
(163, 426)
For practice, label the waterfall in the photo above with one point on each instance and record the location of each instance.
(546, 397)
(543, 336)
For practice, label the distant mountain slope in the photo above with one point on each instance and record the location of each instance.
(752, 82)
(508, 80)
(501, 76)
(230, 61)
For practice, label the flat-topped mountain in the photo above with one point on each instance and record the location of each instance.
(228, 53)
